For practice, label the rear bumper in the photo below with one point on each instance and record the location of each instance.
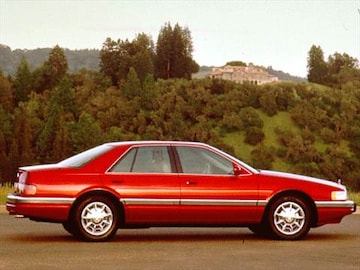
(39, 208)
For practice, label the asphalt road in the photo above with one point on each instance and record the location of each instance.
(26, 244)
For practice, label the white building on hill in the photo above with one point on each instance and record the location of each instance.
(240, 74)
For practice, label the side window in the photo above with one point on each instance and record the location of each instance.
(147, 159)
(202, 161)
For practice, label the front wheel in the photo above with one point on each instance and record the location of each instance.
(289, 218)
(96, 219)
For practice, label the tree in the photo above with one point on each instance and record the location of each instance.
(141, 56)
(148, 93)
(6, 172)
(5, 165)
(23, 82)
(250, 118)
(163, 53)
(174, 53)
(262, 157)
(254, 135)
(61, 146)
(85, 133)
(52, 72)
(132, 86)
(117, 57)
(21, 147)
(268, 100)
(236, 63)
(110, 59)
(6, 128)
(342, 69)
(6, 95)
(317, 67)
(61, 111)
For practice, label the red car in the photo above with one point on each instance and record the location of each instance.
(156, 183)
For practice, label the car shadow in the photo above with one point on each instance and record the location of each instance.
(146, 235)
(197, 235)
(179, 237)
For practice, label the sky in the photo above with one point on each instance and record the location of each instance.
(277, 33)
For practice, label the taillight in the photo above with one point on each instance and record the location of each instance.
(21, 176)
(21, 188)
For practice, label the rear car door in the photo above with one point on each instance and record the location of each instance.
(148, 186)
(210, 191)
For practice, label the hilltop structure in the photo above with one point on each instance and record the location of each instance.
(240, 74)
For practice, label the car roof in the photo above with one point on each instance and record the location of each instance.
(180, 143)
(157, 143)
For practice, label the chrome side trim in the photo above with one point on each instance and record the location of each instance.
(194, 202)
(336, 204)
(14, 199)
(137, 201)
(262, 202)
(219, 202)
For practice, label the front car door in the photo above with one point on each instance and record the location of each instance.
(211, 193)
(148, 186)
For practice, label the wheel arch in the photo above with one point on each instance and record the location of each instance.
(103, 193)
(300, 194)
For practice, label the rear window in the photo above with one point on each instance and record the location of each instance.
(83, 158)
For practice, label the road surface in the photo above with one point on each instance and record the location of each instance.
(26, 244)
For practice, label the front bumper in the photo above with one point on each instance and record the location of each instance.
(337, 204)
(333, 211)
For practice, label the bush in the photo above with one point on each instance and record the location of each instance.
(262, 157)
(254, 135)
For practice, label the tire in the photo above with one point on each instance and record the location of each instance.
(69, 227)
(96, 219)
(289, 218)
(260, 229)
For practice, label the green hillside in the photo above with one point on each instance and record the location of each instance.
(49, 114)
(243, 150)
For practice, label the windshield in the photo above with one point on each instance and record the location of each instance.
(85, 157)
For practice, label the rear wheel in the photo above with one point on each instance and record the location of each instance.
(69, 227)
(96, 219)
(289, 218)
(260, 229)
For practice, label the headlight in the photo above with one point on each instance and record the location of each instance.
(339, 195)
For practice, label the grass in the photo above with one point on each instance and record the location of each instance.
(242, 149)
(5, 189)
(280, 120)
(355, 196)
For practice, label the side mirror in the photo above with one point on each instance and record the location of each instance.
(237, 169)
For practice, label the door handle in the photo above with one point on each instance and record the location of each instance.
(118, 181)
(190, 182)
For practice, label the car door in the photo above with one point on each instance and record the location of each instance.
(148, 186)
(210, 191)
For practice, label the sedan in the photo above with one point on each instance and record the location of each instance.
(144, 184)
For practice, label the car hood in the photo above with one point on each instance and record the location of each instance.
(292, 176)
